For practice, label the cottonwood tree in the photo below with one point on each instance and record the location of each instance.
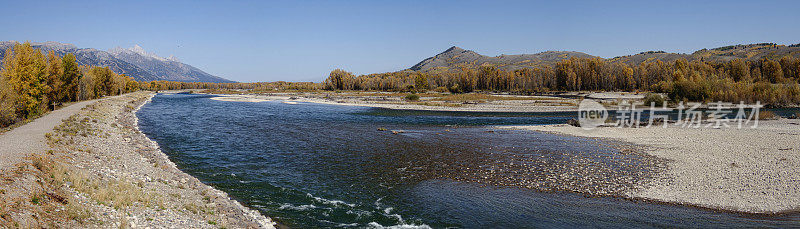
(69, 79)
(25, 70)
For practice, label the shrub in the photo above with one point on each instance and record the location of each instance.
(412, 97)
(8, 105)
(687, 90)
(455, 89)
(767, 115)
(651, 98)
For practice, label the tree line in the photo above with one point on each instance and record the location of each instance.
(766, 80)
(253, 87)
(32, 82)
(770, 81)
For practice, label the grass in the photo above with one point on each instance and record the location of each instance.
(36, 200)
(198, 209)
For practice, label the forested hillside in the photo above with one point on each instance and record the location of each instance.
(766, 72)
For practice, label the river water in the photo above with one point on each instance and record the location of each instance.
(320, 166)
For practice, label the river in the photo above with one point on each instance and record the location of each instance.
(319, 166)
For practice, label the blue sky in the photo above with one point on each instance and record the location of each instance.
(253, 41)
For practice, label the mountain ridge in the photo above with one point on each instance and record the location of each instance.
(456, 56)
(134, 62)
(161, 66)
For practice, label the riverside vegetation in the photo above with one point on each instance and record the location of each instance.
(772, 79)
(32, 83)
(767, 80)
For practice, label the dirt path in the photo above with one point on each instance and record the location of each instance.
(29, 138)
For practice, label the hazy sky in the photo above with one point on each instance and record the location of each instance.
(303, 40)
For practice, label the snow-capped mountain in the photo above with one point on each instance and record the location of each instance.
(134, 62)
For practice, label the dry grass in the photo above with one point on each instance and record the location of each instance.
(222, 91)
(393, 94)
(37, 199)
(116, 193)
(437, 104)
(767, 115)
(72, 127)
(270, 91)
(471, 97)
(75, 211)
(199, 209)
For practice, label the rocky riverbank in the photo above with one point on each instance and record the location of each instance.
(103, 172)
(429, 102)
(741, 170)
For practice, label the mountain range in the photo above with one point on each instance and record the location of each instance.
(134, 62)
(145, 66)
(455, 57)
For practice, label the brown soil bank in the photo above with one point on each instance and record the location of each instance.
(102, 172)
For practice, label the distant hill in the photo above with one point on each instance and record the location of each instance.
(750, 52)
(651, 56)
(458, 56)
(455, 56)
(133, 62)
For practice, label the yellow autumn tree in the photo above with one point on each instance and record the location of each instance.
(25, 71)
(9, 108)
(54, 74)
(69, 79)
